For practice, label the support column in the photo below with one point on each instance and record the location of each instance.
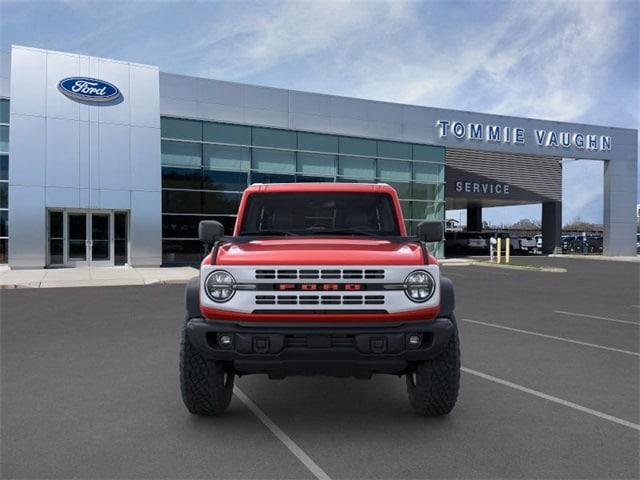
(474, 218)
(551, 227)
(620, 191)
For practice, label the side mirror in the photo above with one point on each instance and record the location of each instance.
(210, 231)
(430, 231)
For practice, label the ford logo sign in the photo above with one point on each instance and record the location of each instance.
(89, 89)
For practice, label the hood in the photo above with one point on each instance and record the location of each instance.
(320, 251)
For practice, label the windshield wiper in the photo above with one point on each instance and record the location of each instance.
(268, 232)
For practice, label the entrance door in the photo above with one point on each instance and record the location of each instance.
(100, 243)
(77, 240)
(87, 238)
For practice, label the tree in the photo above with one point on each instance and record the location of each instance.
(579, 225)
(526, 224)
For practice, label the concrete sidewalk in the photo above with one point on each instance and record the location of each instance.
(93, 277)
(456, 262)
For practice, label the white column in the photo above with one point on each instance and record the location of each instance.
(620, 199)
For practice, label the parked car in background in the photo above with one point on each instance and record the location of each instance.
(595, 243)
(538, 248)
(514, 241)
(582, 244)
(472, 243)
(477, 244)
(566, 241)
(528, 245)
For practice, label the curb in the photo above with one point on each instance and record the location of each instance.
(454, 262)
(603, 258)
(521, 267)
(87, 284)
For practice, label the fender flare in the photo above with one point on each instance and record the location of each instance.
(447, 298)
(192, 298)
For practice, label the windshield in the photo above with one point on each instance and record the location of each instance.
(319, 213)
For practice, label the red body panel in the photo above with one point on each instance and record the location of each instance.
(320, 251)
(422, 314)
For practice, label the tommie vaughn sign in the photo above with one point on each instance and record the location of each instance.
(478, 132)
(88, 89)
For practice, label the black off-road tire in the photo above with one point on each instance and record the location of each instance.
(206, 385)
(433, 385)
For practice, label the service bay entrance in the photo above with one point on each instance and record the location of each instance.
(82, 238)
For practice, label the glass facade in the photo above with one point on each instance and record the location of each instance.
(4, 180)
(206, 166)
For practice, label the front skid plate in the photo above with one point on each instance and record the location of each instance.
(353, 350)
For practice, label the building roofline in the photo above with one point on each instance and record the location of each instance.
(368, 100)
(400, 104)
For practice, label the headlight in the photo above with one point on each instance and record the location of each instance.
(220, 286)
(419, 286)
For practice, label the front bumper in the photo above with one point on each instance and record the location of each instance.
(353, 350)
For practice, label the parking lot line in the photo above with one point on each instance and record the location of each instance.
(562, 339)
(596, 317)
(283, 437)
(551, 398)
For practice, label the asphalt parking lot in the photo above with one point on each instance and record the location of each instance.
(550, 389)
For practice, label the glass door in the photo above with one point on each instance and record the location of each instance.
(87, 238)
(55, 228)
(100, 242)
(82, 238)
(120, 238)
(77, 239)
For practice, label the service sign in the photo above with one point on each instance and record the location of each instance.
(88, 89)
(485, 188)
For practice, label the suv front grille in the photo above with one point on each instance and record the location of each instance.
(319, 299)
(320, 274)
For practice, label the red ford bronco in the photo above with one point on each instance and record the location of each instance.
(319, 279)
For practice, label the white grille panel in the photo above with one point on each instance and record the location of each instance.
(345, 299)
(319, 274)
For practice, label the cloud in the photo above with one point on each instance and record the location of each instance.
(538, 59)
(570, 60)
(275, 34)
(567, 48)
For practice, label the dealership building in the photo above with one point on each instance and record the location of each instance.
(107, 162)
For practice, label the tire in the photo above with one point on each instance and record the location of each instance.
(206, 385)
(433, 385)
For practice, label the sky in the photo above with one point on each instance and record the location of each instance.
(559, 60)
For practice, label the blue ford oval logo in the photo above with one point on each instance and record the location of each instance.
(89, 89)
